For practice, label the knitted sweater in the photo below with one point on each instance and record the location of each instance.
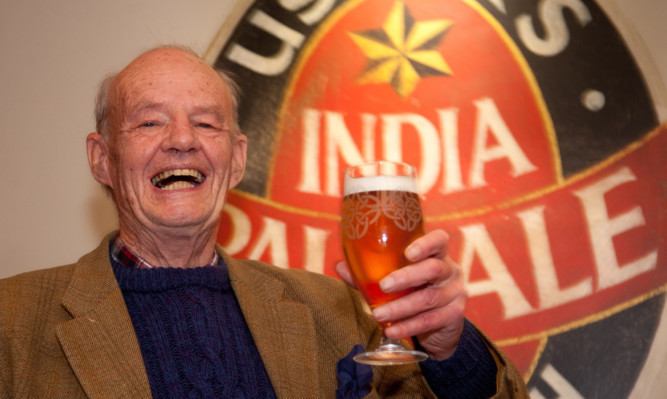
(193, 338)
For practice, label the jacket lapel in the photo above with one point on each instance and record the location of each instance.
(99, 342)
(283, 330)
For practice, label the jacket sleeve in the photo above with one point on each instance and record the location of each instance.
(477, 369)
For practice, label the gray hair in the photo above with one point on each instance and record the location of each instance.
(102, 105)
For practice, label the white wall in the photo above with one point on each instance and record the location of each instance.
(54, 53)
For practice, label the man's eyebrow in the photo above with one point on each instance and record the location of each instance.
(214, 110)
(196, 110)
(144, 105)
(208, 109)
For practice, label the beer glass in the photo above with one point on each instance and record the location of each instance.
(381, 217)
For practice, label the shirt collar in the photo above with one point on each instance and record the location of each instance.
(122, 255)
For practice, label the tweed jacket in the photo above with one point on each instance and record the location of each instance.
(65, 333)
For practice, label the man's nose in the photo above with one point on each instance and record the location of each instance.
(181, 136)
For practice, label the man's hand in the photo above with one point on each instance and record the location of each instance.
(433, 312)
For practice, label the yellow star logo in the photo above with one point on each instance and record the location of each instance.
(402, 51)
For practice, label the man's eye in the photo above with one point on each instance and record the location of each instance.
(148, 124)
(205, 125)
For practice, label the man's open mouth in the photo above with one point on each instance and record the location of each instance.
(178, 179)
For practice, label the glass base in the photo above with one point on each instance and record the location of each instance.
(390, 354)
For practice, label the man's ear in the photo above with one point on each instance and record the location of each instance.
(239, 153)
(98, 156)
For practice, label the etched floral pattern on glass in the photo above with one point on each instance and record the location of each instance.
(366, 208)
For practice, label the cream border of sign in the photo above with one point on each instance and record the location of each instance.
(653, 369)
(641, 54)
(226, 30)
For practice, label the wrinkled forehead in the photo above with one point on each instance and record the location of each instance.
(168, 72)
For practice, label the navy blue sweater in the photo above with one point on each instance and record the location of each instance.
(193, 338)
(195, 341)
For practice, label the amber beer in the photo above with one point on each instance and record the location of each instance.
(381, 217)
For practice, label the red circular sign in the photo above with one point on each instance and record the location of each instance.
(537, 150)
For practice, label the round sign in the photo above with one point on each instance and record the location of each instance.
(537, 146)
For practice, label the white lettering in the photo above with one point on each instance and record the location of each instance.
(429, 167)
(558, 383)
(500, 5)
(490, 120)
(315, 247)
(438, 150)
(310, 158)
(602, 229)
(550, 294)
(340, 142)
(312, 14)
(274, 238)
(476, 241)
(240, 228)
(452, 178)
(557, 36)
(277, 63)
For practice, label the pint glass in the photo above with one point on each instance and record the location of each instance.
(381, 217)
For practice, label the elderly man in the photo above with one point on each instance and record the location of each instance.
(159, 310)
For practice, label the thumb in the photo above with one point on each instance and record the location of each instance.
(344, 273)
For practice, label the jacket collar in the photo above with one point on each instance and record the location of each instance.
(99, 342)
(283, 330)
(102, 348)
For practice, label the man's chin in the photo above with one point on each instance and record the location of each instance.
(188, 222)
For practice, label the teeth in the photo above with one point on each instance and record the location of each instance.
(177, 172)
(160, 180)
(179, 185)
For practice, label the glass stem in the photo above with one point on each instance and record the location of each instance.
(388, 345)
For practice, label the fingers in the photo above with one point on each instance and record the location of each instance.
(434, 310)
(441, 327)
(424, 310)
(432, 244)
(435, 315)
(430, 271)
(425, 253)
(343, 272)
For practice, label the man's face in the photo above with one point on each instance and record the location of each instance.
(171, 156)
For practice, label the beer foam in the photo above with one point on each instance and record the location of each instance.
(377, 183)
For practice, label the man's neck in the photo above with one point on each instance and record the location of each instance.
(171, 251)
